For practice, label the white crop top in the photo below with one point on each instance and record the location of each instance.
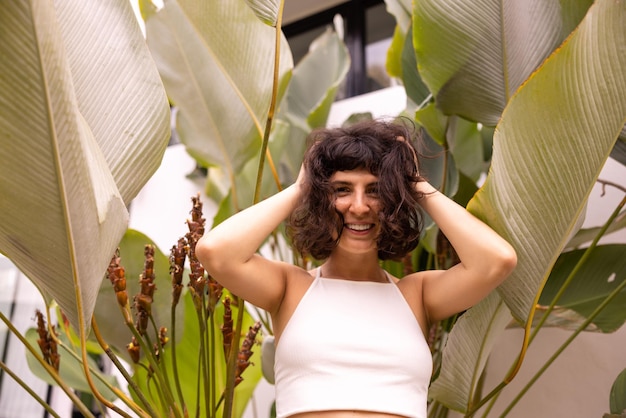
(352, 346)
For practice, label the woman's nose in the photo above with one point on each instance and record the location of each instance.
(359, 203)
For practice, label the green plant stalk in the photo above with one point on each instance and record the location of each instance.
(563, 346)
(125, 311)
(577, 268)
(213, 359)
(152, 376)
(136, 408)
(51, 371)
(163, 368)
(179, 390)
(231, 364)
(153, 382)
(272, 108)
(198, 377)
(149, 355)
(208, 389)
(160, 348)
(204, 368)
(229, 391)
(27, 388)
(89, 368)
(566, 284)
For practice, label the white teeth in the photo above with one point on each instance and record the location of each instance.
(359, 227)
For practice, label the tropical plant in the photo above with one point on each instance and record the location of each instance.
(548, 76)
(132, 143)
(547, 90)
(618, 397)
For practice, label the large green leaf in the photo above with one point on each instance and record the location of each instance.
(474, 54)
(71, 368)
(480, 328)
(70, 144)
(118, 88)
(401, 10)
(618, 394)
(266, 10)
(619, 152)
(601, 273)
(310, 94)
(549, 147)
(587, 235)
(416, 90)
(305, 105)
(216, 59)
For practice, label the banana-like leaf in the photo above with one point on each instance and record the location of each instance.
(266, 10)
(549, 147)
(65, 127)
(401, 10)
(587, 235)
(482, 325)
(310, 94)
(474, 54)
(619, 152)
(71, 368)
(601, 273)
(118, 88)
(618, 394)
(416, 90)
(216, 59)
(306, 104)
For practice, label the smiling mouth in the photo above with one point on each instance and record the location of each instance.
(359, 227)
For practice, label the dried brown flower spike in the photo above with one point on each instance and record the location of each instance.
(243, 357)
(143, 301)
(178, 255)
(47, 344)
(117, 276)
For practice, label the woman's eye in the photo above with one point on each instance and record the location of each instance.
(342, 190)
(373, 191)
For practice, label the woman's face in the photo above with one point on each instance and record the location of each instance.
(356, 198)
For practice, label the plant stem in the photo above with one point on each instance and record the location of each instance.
(136, 408)
(272, 108)
(51, 371)
(179, 390)
(577, 267)
(167, 396)
(231, 364)
(203, 357)
(213, 360)
(563, 346)
(27, 388)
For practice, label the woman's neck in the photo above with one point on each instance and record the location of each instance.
(353, 267)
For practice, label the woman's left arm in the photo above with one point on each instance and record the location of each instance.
(486, 259)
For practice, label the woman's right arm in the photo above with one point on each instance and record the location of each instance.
(229, 251)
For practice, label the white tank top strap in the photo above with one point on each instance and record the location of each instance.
(318, 273)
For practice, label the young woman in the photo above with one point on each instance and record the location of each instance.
(350, 337)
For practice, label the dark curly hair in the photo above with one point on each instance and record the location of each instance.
(384, 149)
